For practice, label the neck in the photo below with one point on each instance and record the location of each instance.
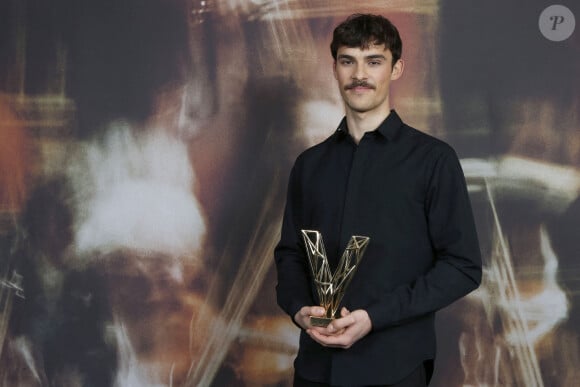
(360, 123)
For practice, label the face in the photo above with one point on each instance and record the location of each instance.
(364, 77)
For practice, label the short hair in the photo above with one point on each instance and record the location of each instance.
(364, 30)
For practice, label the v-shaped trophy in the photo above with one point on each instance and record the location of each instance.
(330, 287)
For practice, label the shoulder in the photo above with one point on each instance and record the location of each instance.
(317, 151)
(433, 147)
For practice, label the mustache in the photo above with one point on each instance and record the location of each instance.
(358, 83)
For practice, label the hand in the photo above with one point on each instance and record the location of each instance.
(344, 331)
(302, 317)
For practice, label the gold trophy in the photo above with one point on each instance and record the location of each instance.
(330, 287)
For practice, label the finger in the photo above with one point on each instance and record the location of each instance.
(318, 337)
(321, 330)
(322, 338)
(302, 317)
(344, 311)
(341, 323)
(340, 341)
(317, 311)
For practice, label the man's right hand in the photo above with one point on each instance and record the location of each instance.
(302, 317)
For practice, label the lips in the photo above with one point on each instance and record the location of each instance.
(360, 88)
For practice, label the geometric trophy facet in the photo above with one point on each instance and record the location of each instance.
(330, 287)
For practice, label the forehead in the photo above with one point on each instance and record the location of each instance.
(371, 50)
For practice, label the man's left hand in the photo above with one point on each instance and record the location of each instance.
(344, 331)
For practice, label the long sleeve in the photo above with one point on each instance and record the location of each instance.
(456, 268)
(293, 287)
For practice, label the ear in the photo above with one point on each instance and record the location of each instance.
(334, 70)
(398, 68)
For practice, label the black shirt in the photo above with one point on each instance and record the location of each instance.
(406, 191)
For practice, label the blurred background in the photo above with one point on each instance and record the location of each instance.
(145, 147)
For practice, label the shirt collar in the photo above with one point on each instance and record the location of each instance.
(388, 128)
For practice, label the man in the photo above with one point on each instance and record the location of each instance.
(376, 177)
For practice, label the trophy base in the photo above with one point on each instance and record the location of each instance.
(320, 321)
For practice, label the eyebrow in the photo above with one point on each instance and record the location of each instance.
(374, 56)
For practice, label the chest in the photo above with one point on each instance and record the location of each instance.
(372, 179)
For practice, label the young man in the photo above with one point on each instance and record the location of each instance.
(376, 177)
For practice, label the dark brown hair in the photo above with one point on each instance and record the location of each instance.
(363, 30)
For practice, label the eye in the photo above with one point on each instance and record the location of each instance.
(375, 63)
(345, 62)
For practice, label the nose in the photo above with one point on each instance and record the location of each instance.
(359, 72)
